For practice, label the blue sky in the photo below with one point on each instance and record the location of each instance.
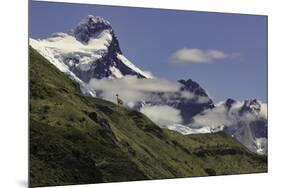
(230, 60)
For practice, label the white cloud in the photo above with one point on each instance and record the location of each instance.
(202, 100)
(185, 130)
(219, 116)
(162, 115)
(187, 95)
(134, 83)
(132, 89)
(194, 55)
(212, 118)
(263, 111)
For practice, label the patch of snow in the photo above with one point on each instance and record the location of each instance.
(61, 49)
(86, 90)
(116, 72)
(133, 67)
(261, 144)
(185, 130)
(66, 43)
(45, 52)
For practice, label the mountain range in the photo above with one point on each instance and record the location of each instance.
(91, 56)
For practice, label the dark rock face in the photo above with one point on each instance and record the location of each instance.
(259, 128)
(250, 106)
(194, 87)
(89, 27)
(190, 108)
(249, 134)
(229, 103)
(255, 129)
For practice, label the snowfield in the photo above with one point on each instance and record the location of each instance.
(185, 130)
(63, 49)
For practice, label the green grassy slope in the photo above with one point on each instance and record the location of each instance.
(76, 139)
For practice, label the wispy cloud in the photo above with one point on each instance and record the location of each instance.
(195, 55)
(133, 90)
(219, 115)
(162, 115)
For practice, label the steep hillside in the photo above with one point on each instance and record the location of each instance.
(78, 139)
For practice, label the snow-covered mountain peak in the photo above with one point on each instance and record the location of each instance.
(95, 20)
(90, 50)
(90, 27)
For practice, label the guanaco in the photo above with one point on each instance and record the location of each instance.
(119, 101)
